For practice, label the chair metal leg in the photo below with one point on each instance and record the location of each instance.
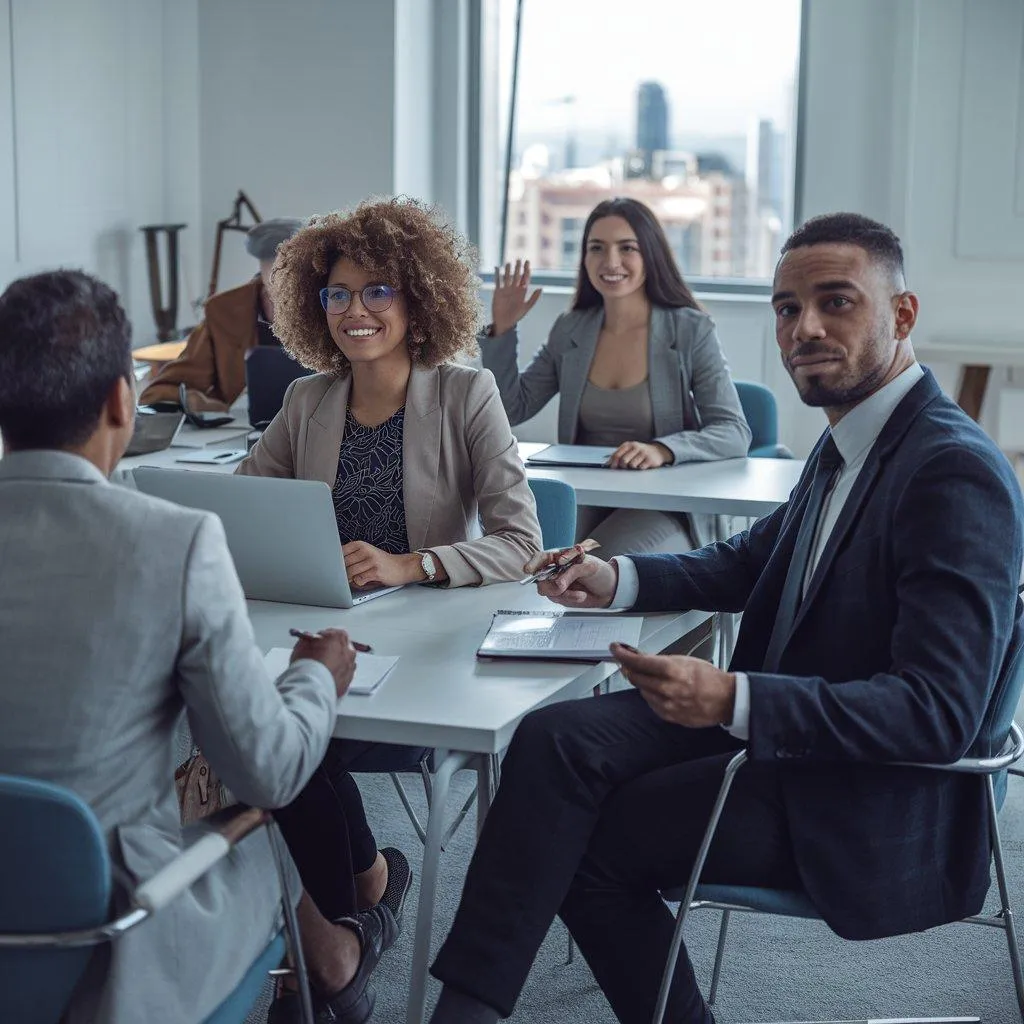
(447, 765)
(1006, 913)
(291, 924)
(719, 956)
(409, 809)
(691, 886)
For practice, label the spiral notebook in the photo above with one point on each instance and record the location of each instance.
(567, 636)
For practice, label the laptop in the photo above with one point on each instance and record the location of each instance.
(269, 370)
(153, 431)
(592, 456)
(282, 534)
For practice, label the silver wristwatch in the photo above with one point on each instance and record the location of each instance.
(428, 565)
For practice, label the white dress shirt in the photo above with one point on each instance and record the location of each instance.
(854, 435)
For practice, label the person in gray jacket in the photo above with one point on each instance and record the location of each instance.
(637, 365)
(119, 614)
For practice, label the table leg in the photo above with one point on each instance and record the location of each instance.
(726, 620)
(970, 392)
(447, 764)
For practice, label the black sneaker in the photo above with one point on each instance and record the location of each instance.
(399, 883)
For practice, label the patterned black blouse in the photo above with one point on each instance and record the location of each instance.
(368, 499)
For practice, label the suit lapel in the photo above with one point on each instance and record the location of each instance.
(575, 369)
(664, 379)
(921, 395)
(325, 429)
(421, 452)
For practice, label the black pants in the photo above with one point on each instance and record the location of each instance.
(325, 826)
(601, 805)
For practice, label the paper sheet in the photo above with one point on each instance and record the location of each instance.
(371, 669)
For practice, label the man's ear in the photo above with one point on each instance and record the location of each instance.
(120, 406)
(906, 314)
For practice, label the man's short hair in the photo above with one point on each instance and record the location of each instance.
(877, 240)
(262, 241)
(64, 342)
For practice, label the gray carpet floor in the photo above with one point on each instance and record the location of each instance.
(775, 968)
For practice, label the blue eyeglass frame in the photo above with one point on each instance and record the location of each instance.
(325, 291)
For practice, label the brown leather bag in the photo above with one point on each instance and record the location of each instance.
(200, 792)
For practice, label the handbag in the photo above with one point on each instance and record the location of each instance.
(200, 791)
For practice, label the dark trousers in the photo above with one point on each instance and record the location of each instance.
(601, 805)
(325, 826)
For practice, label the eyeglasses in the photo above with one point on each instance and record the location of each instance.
(375, 298)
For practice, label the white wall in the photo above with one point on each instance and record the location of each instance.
(82, 140)
(311, 106)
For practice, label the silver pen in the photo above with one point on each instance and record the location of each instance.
(565, 558)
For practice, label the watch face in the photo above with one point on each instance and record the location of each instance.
(427, 561)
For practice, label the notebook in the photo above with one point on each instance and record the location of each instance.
(371, 669)
(571, 455)
(568, 636)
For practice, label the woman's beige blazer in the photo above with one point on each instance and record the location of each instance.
(460, 466)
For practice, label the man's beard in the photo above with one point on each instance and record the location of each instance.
(817, 393)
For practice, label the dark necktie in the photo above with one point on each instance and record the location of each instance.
(829, 462)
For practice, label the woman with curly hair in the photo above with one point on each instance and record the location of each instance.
(416, 450)
(637, 364)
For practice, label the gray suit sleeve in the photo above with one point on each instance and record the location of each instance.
(522, 394)
(263, 737)
(723, 433)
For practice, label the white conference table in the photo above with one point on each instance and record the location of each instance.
(729, 487)
(440, 695)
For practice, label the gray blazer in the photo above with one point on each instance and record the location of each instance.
(119, 613)
(697, 412)
(459, 465)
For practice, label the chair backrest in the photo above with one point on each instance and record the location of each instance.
(556, 510)
(1002, 705)
(761, 411)
(54, 876)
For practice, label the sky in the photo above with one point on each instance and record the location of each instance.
(722, 63)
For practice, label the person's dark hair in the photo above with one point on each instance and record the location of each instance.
(663, 282)
(64, 342)
(877, 240)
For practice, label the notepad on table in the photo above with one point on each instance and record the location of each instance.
(371, 669)
(571, 636)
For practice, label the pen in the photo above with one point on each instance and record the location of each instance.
(304, 634)
(565, 558)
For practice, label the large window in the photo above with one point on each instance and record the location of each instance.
(689, 106)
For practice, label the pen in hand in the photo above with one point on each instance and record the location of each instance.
(304, 634)
(564, 558)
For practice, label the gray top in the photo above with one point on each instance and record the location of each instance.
(697, 412)
(610, 416)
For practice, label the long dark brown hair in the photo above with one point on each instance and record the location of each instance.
(663, 282)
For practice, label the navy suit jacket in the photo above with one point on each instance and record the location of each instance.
(893, 656)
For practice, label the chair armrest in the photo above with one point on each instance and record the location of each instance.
(1011, 752)
(229, 827)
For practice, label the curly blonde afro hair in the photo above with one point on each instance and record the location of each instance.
(411, 247)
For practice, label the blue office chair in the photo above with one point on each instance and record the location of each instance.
(997, 748)
(762, 414)
(556, 510)
(55, 890)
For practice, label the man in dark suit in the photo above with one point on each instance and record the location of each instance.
(878, 607)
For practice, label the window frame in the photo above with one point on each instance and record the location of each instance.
(481, 235)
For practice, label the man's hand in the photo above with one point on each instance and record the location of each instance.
(680, 689)
(640, 455)
(366, 564)
(590, 583)
(333, 650)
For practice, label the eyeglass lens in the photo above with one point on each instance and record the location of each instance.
(375, 297)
